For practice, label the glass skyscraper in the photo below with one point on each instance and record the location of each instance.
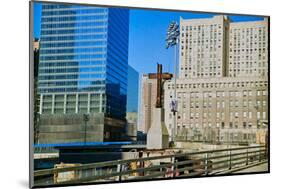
(83, 61)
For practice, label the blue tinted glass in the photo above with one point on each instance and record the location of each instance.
(85, 49)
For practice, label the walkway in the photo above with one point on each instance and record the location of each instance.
(259, 168)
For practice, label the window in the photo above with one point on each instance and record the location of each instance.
(204, 104)
(192, 105)
(236, 114)
(244, 114)
(264, 115)
(218, 94)
(250, 103)
(218, 104)
(222, 115)
(191, 115)
(250, 124)
(250, 93)
(222, 104)
(250, 115)
(258, 115)
(236, 103)
(205, 94)
(244, 125)
(191, 94)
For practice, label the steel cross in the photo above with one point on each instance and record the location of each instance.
(159, 76)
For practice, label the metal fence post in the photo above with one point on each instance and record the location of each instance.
(206, 163)
(229, 159)
(247, 156)
(173, 166)
(119, 169)
(260, 154)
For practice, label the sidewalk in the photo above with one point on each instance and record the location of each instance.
(259, 168)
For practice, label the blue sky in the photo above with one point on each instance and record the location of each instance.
(147, 35)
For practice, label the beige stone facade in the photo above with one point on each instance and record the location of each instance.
(222, 89)
(203, 49)
(131, 128)
(233, 108)
(217, 47)
(148, 101)
(248, 49)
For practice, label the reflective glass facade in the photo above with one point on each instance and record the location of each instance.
(83, 59)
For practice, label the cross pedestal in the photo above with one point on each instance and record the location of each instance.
(157, 136)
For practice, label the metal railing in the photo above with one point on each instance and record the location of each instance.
(176, 165)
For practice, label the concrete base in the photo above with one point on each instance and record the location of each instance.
(158, 136)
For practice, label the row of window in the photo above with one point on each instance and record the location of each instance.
(74, 89)
(221, 104)
(234, 73)
(249, 64)
(72, 43)
(219, 85)
(222, 93)
(60, 104)
(201, 26)
(74, 17)
(75, 11)
(221, 115)
(72, 97)
(71, 70)
(72, 57)
(88, 36)
(47, 110)
(72, 76)
(218, 125)
(250, 29)
(101, 22)
(92, 49)
(52, 65)
(71, 83)
(76, 31)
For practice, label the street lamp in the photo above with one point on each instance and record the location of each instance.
(172, 39)
(218, 134)
(85, 119)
